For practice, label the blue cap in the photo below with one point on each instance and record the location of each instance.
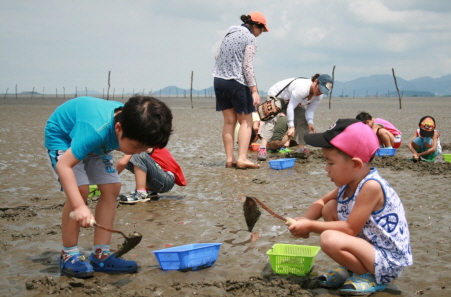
(325, 83)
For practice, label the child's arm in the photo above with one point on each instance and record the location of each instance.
(370, 198)
(409, 145)
(64, 168)
(433, 147)
(122, 162)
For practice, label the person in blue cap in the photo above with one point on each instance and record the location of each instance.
(303, 96)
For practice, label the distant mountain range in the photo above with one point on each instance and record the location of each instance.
(371, 86)
(383, 85)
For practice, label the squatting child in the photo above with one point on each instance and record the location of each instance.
(425, 142)
(365, 228)
(80, 136)
(156, 171)
(389, 136)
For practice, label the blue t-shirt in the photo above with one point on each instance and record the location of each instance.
(84, 124)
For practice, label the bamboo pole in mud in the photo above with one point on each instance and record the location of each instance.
(108, 92)
(64, 92)
(86, 91)
(43, 92)
(6, 93)
(330, 93)
(191, 90)
(16, 91)
(32, 92)
(396, 84)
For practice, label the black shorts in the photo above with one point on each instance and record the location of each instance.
(230, 93)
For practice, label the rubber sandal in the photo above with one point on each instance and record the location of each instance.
(75, 266)
(111, 264)
(334, 278)
(361, 284)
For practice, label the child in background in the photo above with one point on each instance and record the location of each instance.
(255, 127)
(155, 170)
(389, 136)
(425, 142)
(280, 140)
(80, 136)
(365, 228)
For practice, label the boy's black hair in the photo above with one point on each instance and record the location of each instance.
(364, 116)
(146, 120)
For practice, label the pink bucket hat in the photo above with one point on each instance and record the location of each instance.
(350, 136)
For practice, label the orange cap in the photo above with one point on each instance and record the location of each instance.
(258, 17)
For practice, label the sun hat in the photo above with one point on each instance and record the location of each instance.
(427, 126)
(258, 17)
(351, 136)
(325, 83)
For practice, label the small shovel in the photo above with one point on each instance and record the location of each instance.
(251, 209)
(130, 242)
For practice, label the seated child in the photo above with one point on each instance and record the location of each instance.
(364, 227)
(80, 136)
(389, 136)
(425, 142)
(155, 170)
(279, 138)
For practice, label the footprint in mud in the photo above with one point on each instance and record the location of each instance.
(259, 181)
(49, 259)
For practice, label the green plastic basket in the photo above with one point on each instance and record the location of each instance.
(447, 157)
(292, 258)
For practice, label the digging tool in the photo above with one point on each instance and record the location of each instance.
(251, 213)
(130, 242)
(288, 221)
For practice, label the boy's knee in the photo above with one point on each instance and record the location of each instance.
(328, 238)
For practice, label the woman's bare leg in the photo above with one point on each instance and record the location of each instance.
(228, 131)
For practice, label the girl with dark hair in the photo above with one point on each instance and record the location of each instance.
(235, 85)
(425, 142)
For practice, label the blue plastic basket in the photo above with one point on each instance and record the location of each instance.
(386, 152)
(188, 257)
(282, 163)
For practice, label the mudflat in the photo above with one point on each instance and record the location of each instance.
(210, 208)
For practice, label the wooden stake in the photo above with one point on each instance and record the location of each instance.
(396, 84)
(108, 92)
(191, 90)
(330, 93)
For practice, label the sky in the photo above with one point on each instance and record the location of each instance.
(147, 45)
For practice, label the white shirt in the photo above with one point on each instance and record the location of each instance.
(297, 94)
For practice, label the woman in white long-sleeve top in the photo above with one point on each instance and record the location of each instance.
(303, 96)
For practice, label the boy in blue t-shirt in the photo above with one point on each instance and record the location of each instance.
(79, 137)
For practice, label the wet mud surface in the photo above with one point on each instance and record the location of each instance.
(210, 209)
